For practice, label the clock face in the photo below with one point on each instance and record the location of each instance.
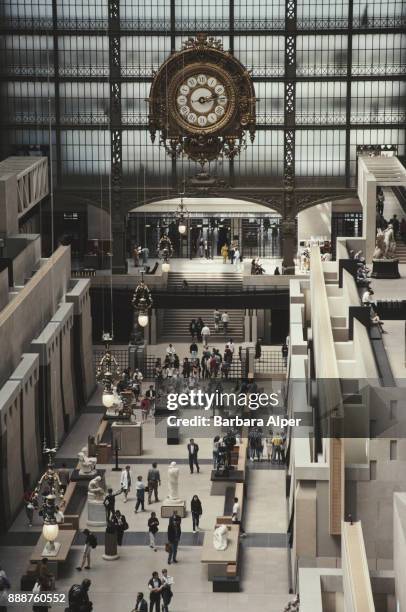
(202, 100)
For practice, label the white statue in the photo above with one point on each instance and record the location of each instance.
(95, 491)
(390, 242)
(220, 539)
(87, 465)
(173, 482)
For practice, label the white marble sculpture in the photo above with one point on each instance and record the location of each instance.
(173, 482)
(220, 539)
(95, 491)
(87, 465)
(390, 242)
(385, 245)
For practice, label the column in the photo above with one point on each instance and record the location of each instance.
(247, 326)
(119, 263)
(288, 231)
(254, 326)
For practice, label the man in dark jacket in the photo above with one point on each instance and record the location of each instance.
(193, 449)
(174, 534)
(141, 605)
(154, 586)
(79, 597)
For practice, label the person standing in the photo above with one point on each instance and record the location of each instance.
(154, 480)
(166, 590)
(29, 507)
(90, 542)
(236, 516)
(64, 477)
(153, 526)
(199, 327)
(154, 586)
(174, 535)
(151, 396)
(197, 511)
(193, 450)
(193, 329)
(121, 525)
(258, 348)
(140, 605)
(78, 597)
(285, 352)
(225, 319)
(236, 260)
(140, 490)
(193, 350)
(205, 334)
(110, 503)
(217, 319)
(125, 482)
(224, 252)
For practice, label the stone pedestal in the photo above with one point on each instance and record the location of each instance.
(96, 514)
(110, 547)
(169, 505)
(129, 436)
(51, 553)
(385, 268)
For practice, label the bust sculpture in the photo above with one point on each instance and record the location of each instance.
(95, 491)
(87, 465)
(173, 482)
(220, 539)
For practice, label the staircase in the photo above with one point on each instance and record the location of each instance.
(176, 325)
(400, 251)
(210, 279)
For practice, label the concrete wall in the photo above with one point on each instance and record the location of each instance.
(25, 316)
(11, 467)
(27, 259)
(399, 553)
(356, 581)
(27, 373)
(64, 318)
(79, 296)
(314, 222)
(4, 297)
(8, 204)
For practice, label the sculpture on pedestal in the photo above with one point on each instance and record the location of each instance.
(220, 539)
(385, 245)
(87, 465)
(95, 491)
(173, 482)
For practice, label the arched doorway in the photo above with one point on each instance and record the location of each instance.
(215, 221)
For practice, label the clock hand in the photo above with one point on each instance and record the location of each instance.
(204, 99)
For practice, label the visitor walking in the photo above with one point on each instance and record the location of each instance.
(197, 511)
(193, 450)
(90, 542)
(154, 480)
(174, 535)
(225, 320)
(217, 319)
(205, 334)
(125, 481)
(140, 490)
(153, 526)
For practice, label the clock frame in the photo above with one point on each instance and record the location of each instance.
(201, 137)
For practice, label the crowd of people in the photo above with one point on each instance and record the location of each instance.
(363, 282)
(271, 447)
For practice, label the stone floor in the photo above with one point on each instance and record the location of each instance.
(115, 584)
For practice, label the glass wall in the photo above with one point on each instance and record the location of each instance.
(55, 68)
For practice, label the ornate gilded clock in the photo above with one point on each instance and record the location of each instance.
(202, 102)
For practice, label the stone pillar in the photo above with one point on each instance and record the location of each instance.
(247, 326)
(153, 326)
(288, 231)
(254, 326)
